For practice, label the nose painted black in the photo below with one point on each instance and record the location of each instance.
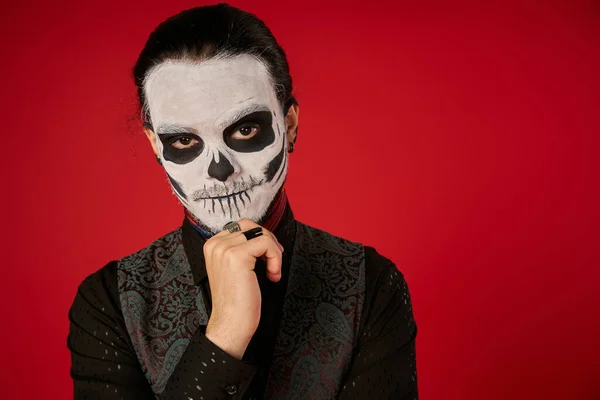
(220, 170)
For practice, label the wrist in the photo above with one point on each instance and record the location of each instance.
(230, 342)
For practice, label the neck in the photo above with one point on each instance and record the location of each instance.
(270, 221)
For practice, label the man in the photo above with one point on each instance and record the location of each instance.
(242, 301)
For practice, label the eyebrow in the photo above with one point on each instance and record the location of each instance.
(171, 128)
(228, 120)
(222, 122)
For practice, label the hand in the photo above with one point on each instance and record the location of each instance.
(236, 299)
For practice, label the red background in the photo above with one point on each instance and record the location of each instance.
(460, 141)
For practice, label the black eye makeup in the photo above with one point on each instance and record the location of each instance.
(181, 148)
(250, 133)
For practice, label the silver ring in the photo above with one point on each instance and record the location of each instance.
(232, 227)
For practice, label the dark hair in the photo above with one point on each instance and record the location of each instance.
(221, 30)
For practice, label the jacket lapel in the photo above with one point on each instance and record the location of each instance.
(321, 315)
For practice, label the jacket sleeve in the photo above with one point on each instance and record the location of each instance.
(103, 362)
(384, 363)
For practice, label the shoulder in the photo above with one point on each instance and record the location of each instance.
(388, 305)
(98, 290)
(382, 271)
(377, 263)
(384, 281)
(96, 322)
(96, 307)
(321, 239)
(384, 278)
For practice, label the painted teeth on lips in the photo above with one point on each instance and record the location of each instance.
(224, 196)
(222, 192)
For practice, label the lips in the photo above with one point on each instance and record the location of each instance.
(242, 189)
(230, 202)
(225, 196)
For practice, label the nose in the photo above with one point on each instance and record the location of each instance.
(220, 170)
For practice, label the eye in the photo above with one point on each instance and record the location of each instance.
(183, 142)
(245, 132)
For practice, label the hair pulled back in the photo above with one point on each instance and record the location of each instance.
(206, 32)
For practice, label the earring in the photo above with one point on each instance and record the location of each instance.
(291, 147)
(158, 160)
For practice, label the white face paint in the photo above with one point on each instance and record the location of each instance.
(221, 136)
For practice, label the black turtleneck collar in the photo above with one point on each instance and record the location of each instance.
(193, 244)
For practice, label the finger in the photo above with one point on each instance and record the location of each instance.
(272, 236)
(246, 224)
(212, 242)
(234, 239)
(227, 241)
(266, 247)
(237, 238)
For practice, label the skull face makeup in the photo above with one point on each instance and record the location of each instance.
(221, 136)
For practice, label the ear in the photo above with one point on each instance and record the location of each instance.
(291, 123)
(152, 138)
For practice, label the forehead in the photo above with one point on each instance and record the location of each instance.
(191, 93)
